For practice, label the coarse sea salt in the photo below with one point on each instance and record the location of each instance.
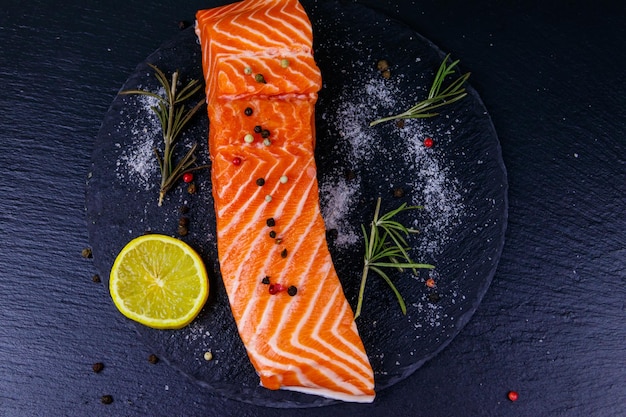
(137, 163)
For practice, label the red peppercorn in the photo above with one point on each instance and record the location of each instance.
(428, 142)
(513, 395)
(276, 288)
(236, 160)
(187, 177)
(430, 283)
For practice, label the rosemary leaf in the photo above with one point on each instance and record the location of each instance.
(436, 98)
(385, 244)
(173, 116)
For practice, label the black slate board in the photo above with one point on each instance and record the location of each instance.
(464, 169)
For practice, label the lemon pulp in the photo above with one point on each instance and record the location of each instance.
(159, 281)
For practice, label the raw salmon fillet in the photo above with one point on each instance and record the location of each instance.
(288, 303)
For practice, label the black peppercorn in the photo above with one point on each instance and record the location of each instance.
(96, 278)
(292, 290)
(248, 111)
(258, 129)
(265, 133)
(398, 192)
(106, 399)
(283, 254)
(260, 182)
(272, 234)
(97, 367)
(270, 222)
(266, 280)
(153, 359)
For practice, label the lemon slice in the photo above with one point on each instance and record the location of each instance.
(159, 281)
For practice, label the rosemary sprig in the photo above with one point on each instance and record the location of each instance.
(173, 116)
(436, 98)
(386, 247)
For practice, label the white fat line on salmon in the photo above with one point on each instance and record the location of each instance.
(362, 364)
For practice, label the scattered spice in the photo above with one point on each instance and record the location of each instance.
(184, 209)
(279, 241)
(266, 280)
(428, 142)
(248, 111)
(434, 297)
(268, 198)
(258, 129)
(259, 78)
(430, 283)
(398, 192)
(187, 177)
(275, 288)
(248, 138)
(292, 290)
(183, 230)
(260, 182)
(96, 278)
(87, 253)
(265, 133)
(106, 399)
(267, 142)
(400, 123)
(247, 70)
(208, 356)
(97, 367)
(236, 160)
(382, 65)
(283, 254)
(386, 74)
(270, 222)
(284, 63)
(272, 234)
(283, 179)
(192, 188)
(183, 221)
(153, 359)
(513, 395)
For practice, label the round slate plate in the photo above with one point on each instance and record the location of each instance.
(460, 181)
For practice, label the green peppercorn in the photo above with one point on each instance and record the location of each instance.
(259, 78)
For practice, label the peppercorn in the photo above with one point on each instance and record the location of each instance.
(400, 123)
(248, 111)
(187, 177)
(258, 129)
(106, 399)
(86, 253)
(272, 234)
(434, 297)
(386, 74)
(236, 160)
(292, 290)
(270, 222)
(191, 188)
(260, 182)
(513, 395)
(398, 192)
(266, 280)
(265, 133)
(248, 138)
(259, 78)
(279, 241)
(97, 367)
(208, 356)
(153, 359)
(284, 63)
(183, 221)
(96, 278)
(382, 65)
(183, 231)
(428, 142)
(283, 254)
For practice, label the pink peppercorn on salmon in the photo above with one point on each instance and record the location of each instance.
(288, 303)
